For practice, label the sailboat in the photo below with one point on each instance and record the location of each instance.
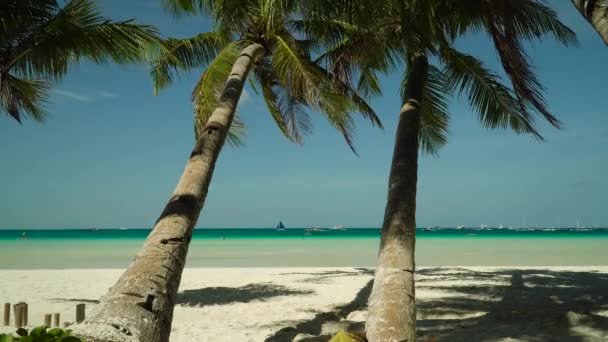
(280, 227)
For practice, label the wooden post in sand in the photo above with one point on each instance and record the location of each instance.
(56, 320)
(79, 313)
(18, 311)
(25, 313)
(7, 313)
(47, 320)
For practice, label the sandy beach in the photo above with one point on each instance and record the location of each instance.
(310, 304)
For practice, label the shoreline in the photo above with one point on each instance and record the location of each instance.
(455, 303)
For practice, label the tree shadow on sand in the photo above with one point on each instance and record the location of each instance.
(535, 305)
(523, 305)
(314, 326)
(228, 295)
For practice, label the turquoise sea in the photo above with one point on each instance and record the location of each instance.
(114, 248)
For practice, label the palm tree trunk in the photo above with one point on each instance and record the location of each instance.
(139, 307)
(392, 308)
(596, 13)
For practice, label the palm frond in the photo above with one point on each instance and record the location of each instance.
(23, 97)
(205, 95)
(77, 31)
(502, 28)
(268, 83)
(533, 20)
(368, 84)
(179, 55)
(495, 104)
(295, 70)
(356, 102)
(434, 115)
(180, 7)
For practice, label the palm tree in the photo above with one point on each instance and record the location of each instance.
(39, 39)
(596, 13)
(249, 35)
(420, 35)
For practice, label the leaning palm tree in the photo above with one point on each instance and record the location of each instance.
(249, 36)
(596, 13)
(420, 35)
(39, 39)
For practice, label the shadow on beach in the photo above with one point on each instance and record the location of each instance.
(457, 304)
(228, 295)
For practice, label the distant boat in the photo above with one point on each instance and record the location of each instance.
(316, 229)
(338, 227)
(461, 227)
(280, 227)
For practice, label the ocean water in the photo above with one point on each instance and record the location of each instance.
(113, 248)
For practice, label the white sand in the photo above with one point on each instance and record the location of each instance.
(280, 304)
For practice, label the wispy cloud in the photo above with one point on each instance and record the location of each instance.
(108, 94)
(72, 95)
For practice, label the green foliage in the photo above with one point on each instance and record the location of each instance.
(366, 37)
(290, 81)
(39, 40)
(344, 336)
(41, 334)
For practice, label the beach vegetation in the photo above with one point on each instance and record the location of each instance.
(41, 39)
(420, 37)
(255, 41)
(41, 334)
(345, 336)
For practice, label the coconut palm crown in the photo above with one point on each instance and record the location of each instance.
(287, 77)
(40, 39)
(399, 30)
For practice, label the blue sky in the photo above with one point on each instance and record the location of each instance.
(112, 152)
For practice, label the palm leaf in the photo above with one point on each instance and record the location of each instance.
(23, 97)
(179, 55)
(295, 70)
(78, 30)
(495, 104)
(434, 115)
(268, 83)
(206, 93)
(503, 29)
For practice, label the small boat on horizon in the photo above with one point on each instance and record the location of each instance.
(338, 227)
(280, 227)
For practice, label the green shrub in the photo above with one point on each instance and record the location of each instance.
(344, 336)
(41, 334)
